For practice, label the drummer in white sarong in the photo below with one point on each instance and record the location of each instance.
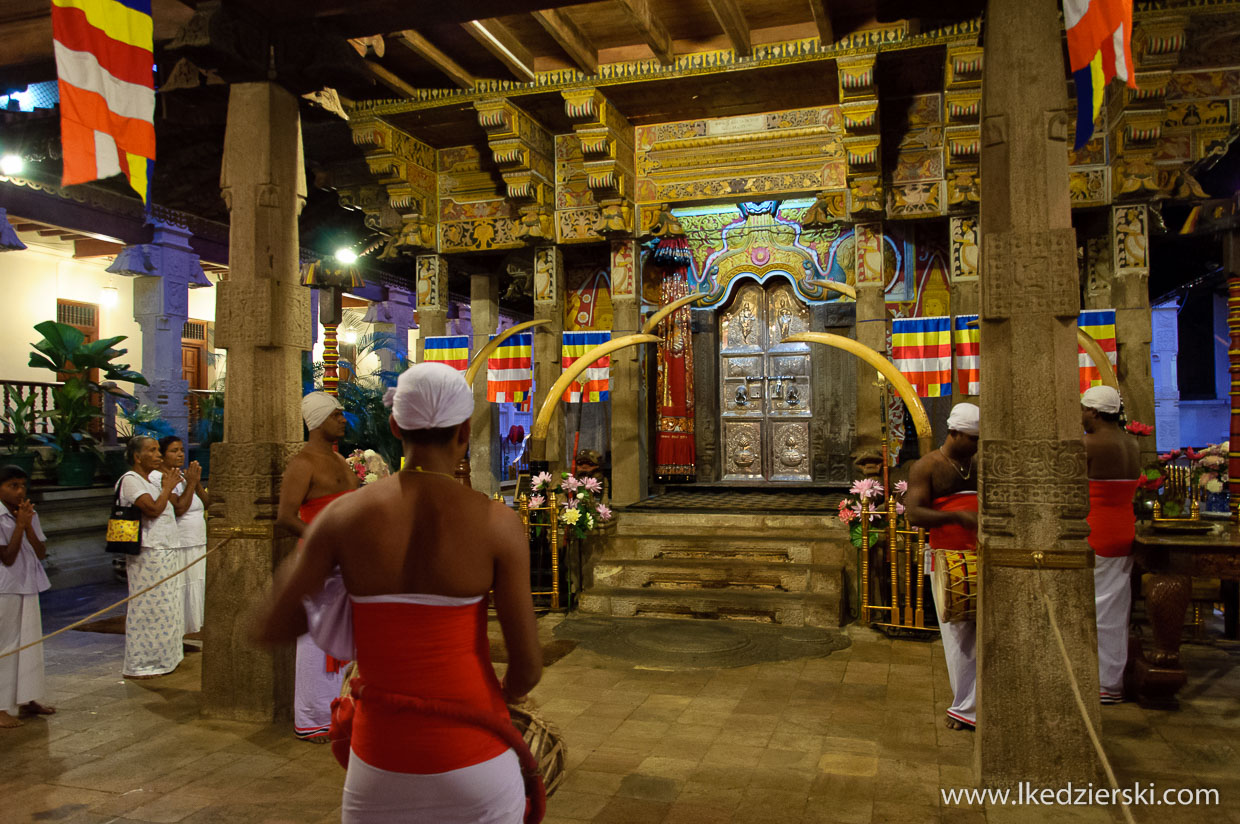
(942, 496)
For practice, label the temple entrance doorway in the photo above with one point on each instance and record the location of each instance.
(766, 401)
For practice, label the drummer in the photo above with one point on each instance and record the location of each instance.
(942, 496)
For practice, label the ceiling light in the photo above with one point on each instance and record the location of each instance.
(109, 296)
(348, 336)
(11, 164)
(346, 256)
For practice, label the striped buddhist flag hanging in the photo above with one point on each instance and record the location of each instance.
(450, 349)
(1099, 324)
(1099, 50)
(509, 371)
(106, 71)
(966, 340)
(592, 386)
(922, 349)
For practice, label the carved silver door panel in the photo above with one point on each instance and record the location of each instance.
(766, 395)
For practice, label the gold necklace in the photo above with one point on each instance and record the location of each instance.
(419, 470)
(963, 475)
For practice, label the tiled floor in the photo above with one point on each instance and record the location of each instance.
(855, 737)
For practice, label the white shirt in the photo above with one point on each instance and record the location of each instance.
(191, 524)
(157, 533)
(26, 575)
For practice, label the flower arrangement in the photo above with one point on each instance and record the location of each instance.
(1139, 429)
(870, 503)
(367, 465)
(577, 497)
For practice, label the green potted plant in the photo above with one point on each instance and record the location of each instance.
(19, 419)
(65, 352)
(134, 418)
(210, 426)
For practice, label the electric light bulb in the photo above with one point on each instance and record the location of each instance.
(346, 256)
(11, 164)
(109, 296)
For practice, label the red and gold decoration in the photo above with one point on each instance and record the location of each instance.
(675, 448)
(332, 277)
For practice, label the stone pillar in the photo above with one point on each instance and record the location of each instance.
(1164, 352)
(432, 299)
(165, 270)
(871, 330)
(262, 319)
(630, 465)
(1034, 496)
(964, 287)
(395, 317)
(549, 305)
(1130, 294)
(484, 319)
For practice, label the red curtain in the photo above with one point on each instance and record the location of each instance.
(675, 449)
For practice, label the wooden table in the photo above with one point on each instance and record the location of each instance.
(1154, 676)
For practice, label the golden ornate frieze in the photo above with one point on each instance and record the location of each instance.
(607, 159)
(525, 153)
(963, 67)
(403, 168)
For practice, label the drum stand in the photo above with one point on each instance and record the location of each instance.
(905, 550)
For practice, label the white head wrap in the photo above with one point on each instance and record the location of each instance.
(316, 407)
(430, 396)
(1102, 398)
(966, 418)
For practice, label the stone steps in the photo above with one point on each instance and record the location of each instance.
(770, 567)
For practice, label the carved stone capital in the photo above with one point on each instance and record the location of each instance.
(1030, 273)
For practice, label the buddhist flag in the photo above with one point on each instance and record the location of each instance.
(592, 385)
(1099, 50)
(509, 375)
(450, 349)
(1099, 324)
(922, 349)
(106, 73)
(966, 340)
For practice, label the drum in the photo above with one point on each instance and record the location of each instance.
(545, 743)
(955, 584)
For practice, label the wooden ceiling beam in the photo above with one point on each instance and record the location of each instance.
(652, 30)
(391, 80)
(89, 247)
(496, 38)
(732, 19)
(561, 27)
(822, 19)
(429, 52)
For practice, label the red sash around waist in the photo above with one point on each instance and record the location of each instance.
(309, 510)
(437, 653)
(954, 536)
(1112, 523)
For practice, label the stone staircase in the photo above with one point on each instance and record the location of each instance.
(771, 567)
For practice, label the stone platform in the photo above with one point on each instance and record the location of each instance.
(770, 556)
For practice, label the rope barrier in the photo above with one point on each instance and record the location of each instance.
(124, 601)
(1076, 692)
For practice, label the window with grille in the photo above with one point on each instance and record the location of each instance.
(194, 330)
(77, 314)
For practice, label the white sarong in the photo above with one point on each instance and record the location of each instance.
(488, 793)
(195, 587)
(155, 621)
(21, 675)
(314, 690)
(960, 650)
(1113, 603)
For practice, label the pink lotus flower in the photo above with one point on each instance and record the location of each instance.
(847, 514)
(570, 484)
(866, 488)
(541, 480)
(603, 512)
(592, 485)
(899, 509)
(537, 501)
(901, 488)
(1140, 429)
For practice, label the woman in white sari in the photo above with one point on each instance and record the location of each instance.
(190, 502)
(155, 621)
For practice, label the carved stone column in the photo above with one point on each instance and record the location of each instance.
(432, 299)
(1034, 496)
(1130, 294)
(262, 319)
(629, 463)
(164, 271)
(484, 317)
(395, 317)
(549, 305)
(871, 330)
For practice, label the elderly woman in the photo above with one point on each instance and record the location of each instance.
(190, 502)
(156, 620)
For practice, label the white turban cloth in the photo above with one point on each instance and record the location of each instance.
(966, 418)
(1102, 398)
(316, 407)
(430, 396)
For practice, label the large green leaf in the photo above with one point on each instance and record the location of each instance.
(63, 337)
(38, 361)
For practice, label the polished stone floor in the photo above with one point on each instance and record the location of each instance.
(855, 736)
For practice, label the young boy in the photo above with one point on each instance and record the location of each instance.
(22, 578)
